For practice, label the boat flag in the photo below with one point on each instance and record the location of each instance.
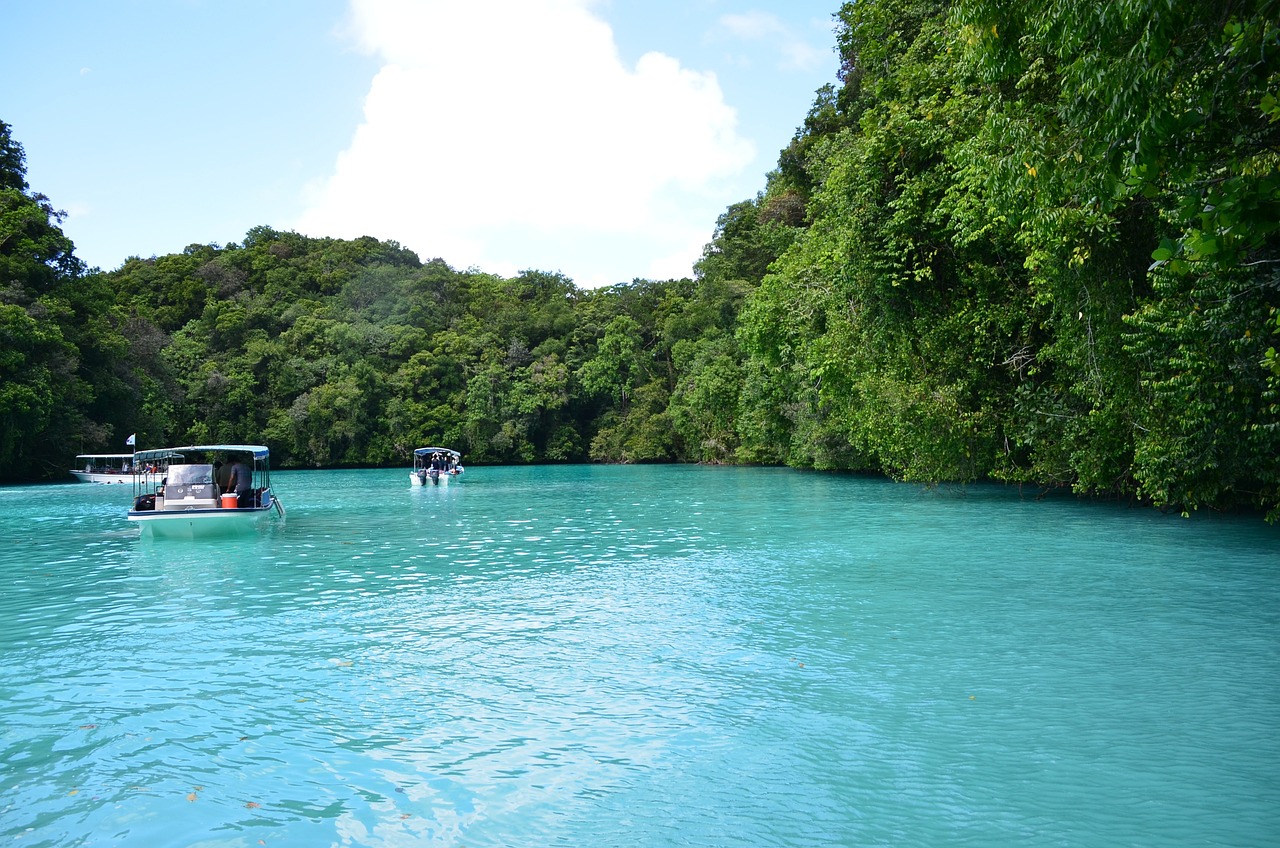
(132, 439)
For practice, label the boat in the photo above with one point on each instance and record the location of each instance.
(103, 468)
(177, 493)
(432, 465)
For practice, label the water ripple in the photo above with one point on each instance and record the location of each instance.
(639, 656)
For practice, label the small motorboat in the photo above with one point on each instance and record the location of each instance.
(103, 468)
(433, 465)
(177, 491)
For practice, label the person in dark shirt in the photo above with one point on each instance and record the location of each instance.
(220, 474)
(239, 480)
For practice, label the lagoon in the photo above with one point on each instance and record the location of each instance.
(638, 656)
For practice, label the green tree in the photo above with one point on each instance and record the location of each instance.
(1161, 145)
(58, 336)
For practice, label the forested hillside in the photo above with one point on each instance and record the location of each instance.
(1034, 243)
(1041, 248)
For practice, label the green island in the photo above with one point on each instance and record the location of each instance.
(1036, 243)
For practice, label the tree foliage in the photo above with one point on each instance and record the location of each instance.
(1040, 246)
(60, 383)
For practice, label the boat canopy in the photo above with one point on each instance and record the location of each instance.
(428, 451)
(258, 451)
(104, 456)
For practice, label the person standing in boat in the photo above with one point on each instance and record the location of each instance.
(239, 480)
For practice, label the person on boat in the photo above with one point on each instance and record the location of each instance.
(239, 480)
(220, 474)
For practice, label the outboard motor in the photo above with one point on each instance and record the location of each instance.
(435, 476)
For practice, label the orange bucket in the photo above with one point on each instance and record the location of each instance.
(230, 501)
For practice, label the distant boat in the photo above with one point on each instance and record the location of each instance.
(103, 468)
(433, 465)
(176, 493)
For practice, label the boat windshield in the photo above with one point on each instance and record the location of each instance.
(190, 474)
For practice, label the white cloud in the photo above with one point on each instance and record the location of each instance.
(753, 25)
(795, 52)
(495, 127)
(77, 209)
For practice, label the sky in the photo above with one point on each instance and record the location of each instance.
(599, 139)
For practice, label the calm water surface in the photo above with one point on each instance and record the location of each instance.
(638, 656)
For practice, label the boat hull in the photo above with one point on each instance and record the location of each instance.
(416, 480)
(98, 477)
(199, 523)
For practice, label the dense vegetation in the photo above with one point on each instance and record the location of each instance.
(1028, 242)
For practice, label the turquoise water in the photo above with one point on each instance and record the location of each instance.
(638, 656)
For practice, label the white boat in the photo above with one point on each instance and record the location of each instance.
(180, 496)
(431, 466)
(103, 468)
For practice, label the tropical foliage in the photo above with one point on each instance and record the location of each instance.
(1034, 243)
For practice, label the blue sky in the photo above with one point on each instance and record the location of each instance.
(596, 138)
